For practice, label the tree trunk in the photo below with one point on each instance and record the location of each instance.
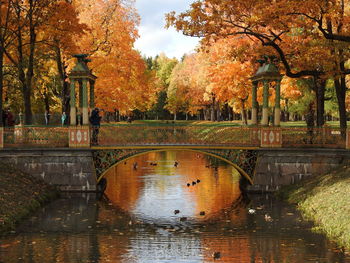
(30, 69)
(244, 113)
(218, 112)
(340, 87)
(339, 66)
(320, 94)
(310, 116)
(287, 114)
(206, 114)
(1, 83)
(212, 108)
(175, 116)
(26, 75)
(212, 112)
(65, 93)
(28, 115)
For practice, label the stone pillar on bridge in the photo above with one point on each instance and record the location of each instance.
(79, 132)
(347, 146)
(255, 105)
(92, 94)
(73, 107)
(265, 110)
(277, 120)
(1, 137)
(85, 104)
(267, 74)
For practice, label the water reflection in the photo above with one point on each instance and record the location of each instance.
(157, 187)
(137, 224)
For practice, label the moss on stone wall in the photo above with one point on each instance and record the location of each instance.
(326, 201)
(20, 195)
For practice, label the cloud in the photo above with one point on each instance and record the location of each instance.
(172, 43)
(154, 38)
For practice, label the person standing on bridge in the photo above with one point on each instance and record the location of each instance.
(95, 120)
(47, 117)
(63, 118)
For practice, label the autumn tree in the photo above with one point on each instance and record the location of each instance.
(38, 38)
(157, 110)
(124, 82)
(26, 26)
(6, 37)
(27, 18)
(189, 90)
(176, 92)
(163, 67)
(195, 77)
(60, 34)
(231, 67)
(294, 41)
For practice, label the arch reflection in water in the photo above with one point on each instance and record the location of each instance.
(158, 187)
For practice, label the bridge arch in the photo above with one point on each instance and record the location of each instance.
(243, 161)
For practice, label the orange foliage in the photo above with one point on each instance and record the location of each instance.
(288, 28)
(220, 71)
(123, 81)
(230, 70)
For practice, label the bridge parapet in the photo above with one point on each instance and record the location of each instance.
(35, 137)
(179, 135)
(166, 135)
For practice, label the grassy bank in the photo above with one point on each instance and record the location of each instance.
(20, 195)
(326, 201)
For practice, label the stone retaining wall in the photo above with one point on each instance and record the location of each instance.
(70, 170)
(277, 167)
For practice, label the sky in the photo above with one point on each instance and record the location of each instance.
(154, 38)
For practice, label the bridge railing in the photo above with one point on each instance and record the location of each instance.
(197, 135)
(179, 135)
(326, 137)
(36, 137)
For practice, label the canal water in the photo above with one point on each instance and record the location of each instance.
(169, 207)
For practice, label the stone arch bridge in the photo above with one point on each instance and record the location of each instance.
(244, 160)
(267, 157)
